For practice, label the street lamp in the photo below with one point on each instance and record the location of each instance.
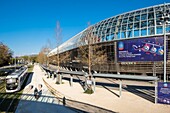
(164, 20)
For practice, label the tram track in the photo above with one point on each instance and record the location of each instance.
(9, 101)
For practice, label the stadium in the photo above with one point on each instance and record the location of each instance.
(131, 43)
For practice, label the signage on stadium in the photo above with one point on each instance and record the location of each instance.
(163, 92)
(141, 49)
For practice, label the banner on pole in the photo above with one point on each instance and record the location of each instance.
(164, 92)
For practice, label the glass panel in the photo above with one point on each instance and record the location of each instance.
(159, 30)
(137, 12)
(131, 14)
(158, 14)
(109, 37)
(130, 26)
(103, 39)
(137, 18)
(120, 21)
(114, 24)
(136, 25)
(143, 17)
(151, 23)
(136, 33)
(112, 36)
(151, 31)
(143, 32)
(126, 15)
(125, 20)
(108, 30)
(150, 9)
(143, 24)
(144, 11)
(150, 15)
(123, 34)
(129, 34)
(113, 29)
(118, 35)
(158, 22)
(167, 28)
(118, 27)
(130, 19)
(110, 24)
(123, 27)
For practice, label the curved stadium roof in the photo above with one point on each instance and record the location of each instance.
(143, 22)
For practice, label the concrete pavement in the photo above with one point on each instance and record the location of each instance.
(105, 99)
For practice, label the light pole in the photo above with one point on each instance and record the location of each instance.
(165, 17)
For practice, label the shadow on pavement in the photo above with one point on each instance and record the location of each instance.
(80, 106)
(29, 104)
(86, 108)
(146, 92)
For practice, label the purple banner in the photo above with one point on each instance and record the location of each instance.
(164, 92)
(141, 49)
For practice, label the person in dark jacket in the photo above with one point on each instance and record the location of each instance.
(36, 93)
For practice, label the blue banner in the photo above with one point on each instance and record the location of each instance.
(141, 49)
(163, 92)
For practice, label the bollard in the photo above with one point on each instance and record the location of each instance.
(64, 101)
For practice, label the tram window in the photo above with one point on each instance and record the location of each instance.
(10, 80)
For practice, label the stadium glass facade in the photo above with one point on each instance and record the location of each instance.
(142, 27)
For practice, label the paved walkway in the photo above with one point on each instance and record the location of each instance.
(106, 98)
(45, 104)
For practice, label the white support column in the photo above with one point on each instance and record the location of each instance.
(53, 76)
(94, 84)
(48, 75)
(156, 91)
(120, 88)
(71, 80)
(60, 78)
(57, 78)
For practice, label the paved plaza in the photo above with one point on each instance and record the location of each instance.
(105, 98)
(46, 103)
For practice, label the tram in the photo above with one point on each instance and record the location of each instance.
(15, 80)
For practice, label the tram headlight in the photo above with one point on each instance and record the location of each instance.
(16, 83)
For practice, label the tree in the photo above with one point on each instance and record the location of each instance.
(5, 54)
(59, 41)
(90, 53)
(42, 56)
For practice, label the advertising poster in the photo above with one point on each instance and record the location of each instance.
(141, 49)
(164, 92)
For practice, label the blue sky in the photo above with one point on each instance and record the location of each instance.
(28, 25)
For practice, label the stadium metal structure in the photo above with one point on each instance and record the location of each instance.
(137, 24)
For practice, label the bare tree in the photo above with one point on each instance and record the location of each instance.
(90, 53)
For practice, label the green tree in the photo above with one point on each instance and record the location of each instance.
(5, 54)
